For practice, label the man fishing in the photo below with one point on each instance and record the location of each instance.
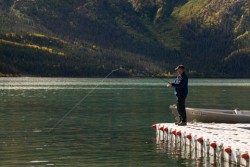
(181, 91)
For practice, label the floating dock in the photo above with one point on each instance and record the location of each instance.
(229, 143)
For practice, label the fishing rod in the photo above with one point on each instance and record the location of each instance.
(165, 81)
(78, 103)
(156, 76)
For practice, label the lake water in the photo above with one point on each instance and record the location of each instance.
(95, 122)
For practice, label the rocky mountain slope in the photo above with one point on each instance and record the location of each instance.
(142, 38)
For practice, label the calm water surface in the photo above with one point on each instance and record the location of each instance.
(106, 126)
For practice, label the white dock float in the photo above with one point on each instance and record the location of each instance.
(226, 142)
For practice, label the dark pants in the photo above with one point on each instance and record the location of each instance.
(181, 108)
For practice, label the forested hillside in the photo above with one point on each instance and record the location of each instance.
(89, 38)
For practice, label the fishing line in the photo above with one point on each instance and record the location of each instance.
(77, 104)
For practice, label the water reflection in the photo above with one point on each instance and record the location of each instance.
(188, 156)
(109, 83)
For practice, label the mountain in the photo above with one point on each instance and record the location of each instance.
(89, 38)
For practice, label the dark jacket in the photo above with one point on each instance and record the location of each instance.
(181, 85)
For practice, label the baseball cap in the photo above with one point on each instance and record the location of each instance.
(179, 66)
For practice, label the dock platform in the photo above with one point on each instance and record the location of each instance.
(229, 143)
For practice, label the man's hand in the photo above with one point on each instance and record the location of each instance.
(169, 84)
